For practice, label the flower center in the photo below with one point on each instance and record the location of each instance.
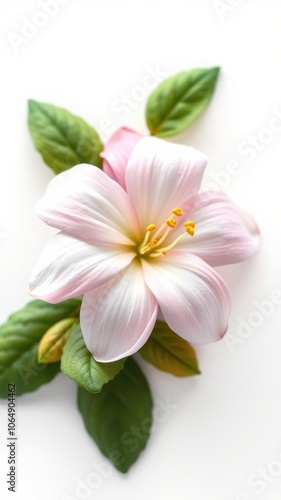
(154, 241)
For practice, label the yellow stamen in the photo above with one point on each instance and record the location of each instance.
(151, 227)
(159, 231)
(161, 234)
(189, 228)
(177, 211)
(158, 242)
(189, 223)
(145, 249)
(163, 251)
(156, 254)
(171, 222)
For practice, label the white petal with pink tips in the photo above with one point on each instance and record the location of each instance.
(160, 176)
(69, 267)
(224, 234)
(193, 298)
(86, 204)
(118, 317)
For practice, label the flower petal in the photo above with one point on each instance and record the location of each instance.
(223, 234)
(193, 298)
(161, 176)
(118, 317)
(68, 268)
(86, 204)
(117, 152)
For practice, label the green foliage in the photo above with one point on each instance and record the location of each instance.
(179, 100)
(78, 364)
(19, 341)
(169, 352)
(119, 418)
(63, 139)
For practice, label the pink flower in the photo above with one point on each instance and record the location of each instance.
(117, 152)
(132, 252)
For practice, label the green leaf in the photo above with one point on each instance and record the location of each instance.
(169, 352)
(63, 139)
(78, 364)
(19, 340)
(54, 340)
(179, 100)
(119, 418)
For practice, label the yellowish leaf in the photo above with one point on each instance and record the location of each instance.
(54, 340)
(169, 352)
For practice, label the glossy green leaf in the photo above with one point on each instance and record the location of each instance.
(179, 100)
(119, 418)
(78, 364)
(63, 139)
(19, 341)
(169, 352)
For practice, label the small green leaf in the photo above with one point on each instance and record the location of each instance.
(63, 139)
(78, 364)
(169, 352)
(179, 100)
(119, 418)
(53, 341)
(19, 341)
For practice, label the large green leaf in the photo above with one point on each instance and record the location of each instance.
(119, 418)
(169, 352)
(63, 139)
(19, 340)
(179, 100)
(78, 363)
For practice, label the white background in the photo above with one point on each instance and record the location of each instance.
(225, 426)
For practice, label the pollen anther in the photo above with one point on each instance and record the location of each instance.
(190, 230)
(177, 211)
(153, 247)
(189, 223)
(151, 227)
(189, 227)
(171, 222)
